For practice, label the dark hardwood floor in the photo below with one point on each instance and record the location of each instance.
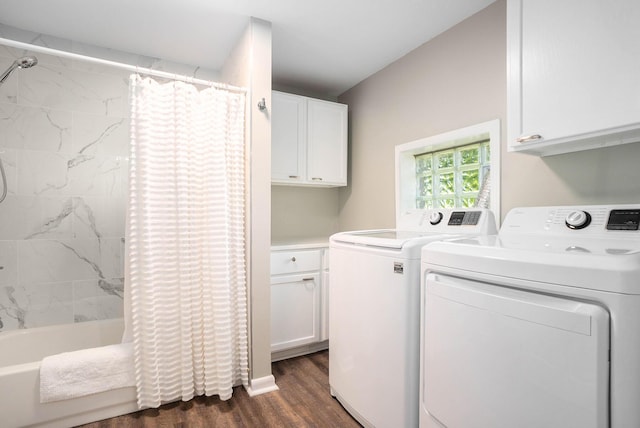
(302, 401)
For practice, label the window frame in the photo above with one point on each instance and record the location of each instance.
(406, 189)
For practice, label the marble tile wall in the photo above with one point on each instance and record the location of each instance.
(64, 141)
(64, 146)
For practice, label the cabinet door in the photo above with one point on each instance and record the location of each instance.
(327, 142)
(295, 315)
(288, 134)
(574, 73)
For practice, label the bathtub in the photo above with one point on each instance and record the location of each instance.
(20, 355)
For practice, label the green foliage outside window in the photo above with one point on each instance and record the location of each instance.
(451, 178)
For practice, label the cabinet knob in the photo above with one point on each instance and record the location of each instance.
(293, 259)
(527, 138)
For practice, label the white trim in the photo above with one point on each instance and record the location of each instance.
(299, 350)
(120, 65)
(261, 385)
(405, 162)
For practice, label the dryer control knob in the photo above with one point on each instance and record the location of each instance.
(578, 220)
(435, 217)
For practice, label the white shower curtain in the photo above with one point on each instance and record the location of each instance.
(185, 308)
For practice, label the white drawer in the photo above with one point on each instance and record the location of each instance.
(295, 261)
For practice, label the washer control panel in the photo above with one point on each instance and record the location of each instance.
(464, 218)
(447, 220)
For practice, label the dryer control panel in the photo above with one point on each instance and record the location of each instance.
(596, 221)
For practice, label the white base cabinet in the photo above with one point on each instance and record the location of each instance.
(573, 74)
(308, 141)
(299, 299)
(295, 310)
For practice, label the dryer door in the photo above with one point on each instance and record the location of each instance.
(501, 357)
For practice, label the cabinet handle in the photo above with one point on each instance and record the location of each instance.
(526, 138)
(316, 178)
(293, 176)
(307, 279)
(293, 259)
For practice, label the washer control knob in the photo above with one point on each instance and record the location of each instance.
(435, 217)
(578, 220)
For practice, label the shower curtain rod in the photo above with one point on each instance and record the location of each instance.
(121, 65)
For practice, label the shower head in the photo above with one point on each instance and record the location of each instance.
(24, 62)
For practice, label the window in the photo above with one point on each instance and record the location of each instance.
(452, 178)
(450, 170)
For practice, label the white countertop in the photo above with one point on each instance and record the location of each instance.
(299, 243)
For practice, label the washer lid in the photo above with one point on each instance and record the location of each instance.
(387, 238)
(600, 264)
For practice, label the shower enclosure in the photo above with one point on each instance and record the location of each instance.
(64, 147)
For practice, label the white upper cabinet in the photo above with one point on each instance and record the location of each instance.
(308, 142)
(327, 142)
(288, 130)
(573, 74)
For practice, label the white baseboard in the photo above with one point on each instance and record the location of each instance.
(261, 385)
(300, 350)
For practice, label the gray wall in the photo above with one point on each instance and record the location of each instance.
(456, 80)
(303, 212)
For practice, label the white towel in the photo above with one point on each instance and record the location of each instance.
(84, 372)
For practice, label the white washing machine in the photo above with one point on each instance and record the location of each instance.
(538, 326)
(374, 310)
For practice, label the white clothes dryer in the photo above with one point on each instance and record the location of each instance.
(374, 311)
(538, 326)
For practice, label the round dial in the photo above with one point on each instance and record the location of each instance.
(577, 220)
(435, 217)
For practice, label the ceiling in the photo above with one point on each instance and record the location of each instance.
(321, 46)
